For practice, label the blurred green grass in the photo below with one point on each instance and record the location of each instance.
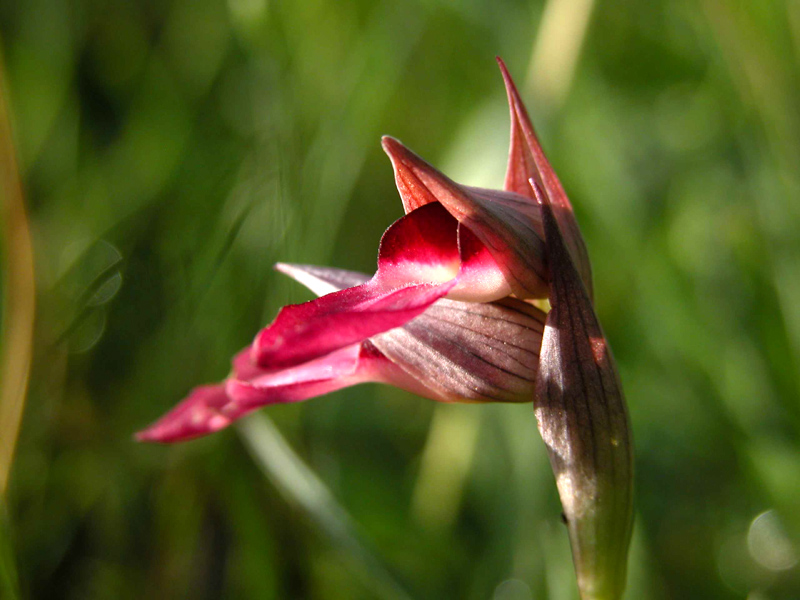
(173, 151)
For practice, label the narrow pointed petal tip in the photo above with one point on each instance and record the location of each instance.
(527, 160)
(583, 420)
(322, 280)
(202, 412)
(210, 408)
(413, 192)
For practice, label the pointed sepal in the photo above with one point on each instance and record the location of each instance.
(583, 420)
(526, 160)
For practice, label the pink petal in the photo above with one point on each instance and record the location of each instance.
(200, 413)
(526, 160)
(346, 367)
(302, 332)
(212, 407)
(479, 278)
(243, 366)
(583, 420)
(334, 371)
(507, 224)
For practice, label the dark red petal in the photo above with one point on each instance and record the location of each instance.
(418, 262)
(584, 422)
(429, 245)
(421, 247)
(527, 160)
(507, 224)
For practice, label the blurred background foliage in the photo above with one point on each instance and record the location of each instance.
(173, 150)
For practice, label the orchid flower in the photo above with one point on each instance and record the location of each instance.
(448, 315)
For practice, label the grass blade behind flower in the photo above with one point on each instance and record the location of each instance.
(298, 483)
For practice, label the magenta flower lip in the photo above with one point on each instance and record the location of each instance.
(454, 351)
(449, 314)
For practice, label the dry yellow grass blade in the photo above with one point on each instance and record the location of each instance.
(16, 343)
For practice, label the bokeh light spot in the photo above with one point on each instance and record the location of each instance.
(513, 589)
(768, 543)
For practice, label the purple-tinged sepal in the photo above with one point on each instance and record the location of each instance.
(583, 420)
(470, 352)
(526, 160)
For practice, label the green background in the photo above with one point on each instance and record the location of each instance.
(172, 151)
